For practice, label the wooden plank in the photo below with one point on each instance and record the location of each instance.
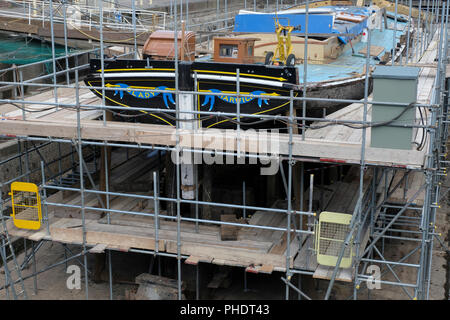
(121, 219)
(99, 248)
(36, 28)
(192, 260)
(294, 248)
(123, 248)
(271, 219)
(254, 220)
(86, 97)
(306, 259)
(70, 229)
(211, 140)
(375, 51)
(240, 257)
(325, 273)
(60, 231)
(280, 246)
(221, 262)
(14, 231)
(228, 232)
(265, 268)
(38, 236)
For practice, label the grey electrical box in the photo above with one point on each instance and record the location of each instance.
(394, 84)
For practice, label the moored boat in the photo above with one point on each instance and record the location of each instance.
(336, 60)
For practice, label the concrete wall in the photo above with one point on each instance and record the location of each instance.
(11, 169)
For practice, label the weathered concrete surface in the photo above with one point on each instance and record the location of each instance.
(12, 168)
(439, 286)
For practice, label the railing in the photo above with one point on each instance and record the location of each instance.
(79, 15)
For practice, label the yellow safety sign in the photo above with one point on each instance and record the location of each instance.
(26, 205)
(331, 232)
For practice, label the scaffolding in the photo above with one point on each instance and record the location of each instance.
(382, 205)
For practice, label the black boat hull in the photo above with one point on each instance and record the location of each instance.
(151, 84)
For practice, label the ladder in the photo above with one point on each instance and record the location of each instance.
(13, 275)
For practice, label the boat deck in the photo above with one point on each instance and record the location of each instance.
(350, 64)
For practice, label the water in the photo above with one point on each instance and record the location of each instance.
(22, 50)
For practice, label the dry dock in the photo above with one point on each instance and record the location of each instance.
(113, 202)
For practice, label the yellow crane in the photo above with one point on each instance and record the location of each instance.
(283, 52)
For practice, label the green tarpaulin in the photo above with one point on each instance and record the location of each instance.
(22, 50)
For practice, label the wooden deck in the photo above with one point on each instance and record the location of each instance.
(254, 248)
(258, 249)
(38, 29)
(340, 145)
(42, 111)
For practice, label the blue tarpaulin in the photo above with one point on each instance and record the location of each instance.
(260, 23)
(317, 23)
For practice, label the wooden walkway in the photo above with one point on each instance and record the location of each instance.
(257, 249)
(42, 30)
(260, 250)
(340, 147)
(36, 111)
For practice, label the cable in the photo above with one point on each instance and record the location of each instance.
(424, 132)
(233, 120)
(49, 108)
(373, 124)
(29, 110)
(249, 123)
(245, 123)
(109, 41)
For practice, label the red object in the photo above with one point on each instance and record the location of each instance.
(332, 160)
(161, 45)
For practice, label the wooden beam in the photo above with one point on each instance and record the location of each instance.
(22, 25)
(212, 139)
(105, 166)
(325, 273)
(192, 260)
(99, 248)
(228, 232)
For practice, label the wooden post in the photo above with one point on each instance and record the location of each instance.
(182, 55)
(186, 105)
(100, 258)
(107, 151)
(207, 190)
